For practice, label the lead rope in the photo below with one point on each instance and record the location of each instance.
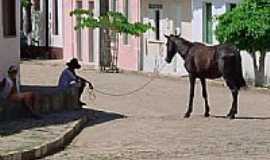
(152, 78)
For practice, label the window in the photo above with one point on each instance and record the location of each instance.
(126, 13)
(55, 18)
(114, 5)
(231, 6)
(207, 23)
(9, 17)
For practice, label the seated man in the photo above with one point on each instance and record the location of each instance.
(69, 79)
(9, 90)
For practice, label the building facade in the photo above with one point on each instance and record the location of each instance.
(83, 43)
(203, 22)
(43, 26)
(203, 27)
(146, 53)
(9, 34)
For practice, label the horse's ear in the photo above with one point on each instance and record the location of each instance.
(177, 32)
(166, 36)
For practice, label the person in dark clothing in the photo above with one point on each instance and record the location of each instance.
(69, 78)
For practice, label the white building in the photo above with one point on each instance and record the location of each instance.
(167, 16)
(9, 34)
(203, 27)
(204, 13)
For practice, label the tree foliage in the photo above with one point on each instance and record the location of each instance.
(247, 26)
(25, 3)
(114, 21)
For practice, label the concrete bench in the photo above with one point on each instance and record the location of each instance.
(51, 100)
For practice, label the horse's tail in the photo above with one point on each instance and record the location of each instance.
(233, 70)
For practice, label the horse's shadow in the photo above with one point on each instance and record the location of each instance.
(242, 117)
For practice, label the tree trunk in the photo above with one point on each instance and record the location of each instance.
(260, 78)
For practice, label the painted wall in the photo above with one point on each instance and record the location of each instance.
(218, 8)
(174, 14)
(70, 35)
(9, 47)
(129, 54)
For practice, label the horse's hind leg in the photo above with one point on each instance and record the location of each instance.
(235, 90)
(204, 93)
(192, 80)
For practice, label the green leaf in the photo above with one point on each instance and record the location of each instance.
(114, 21)
(247, 26)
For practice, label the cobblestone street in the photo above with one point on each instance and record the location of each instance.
(154, 127)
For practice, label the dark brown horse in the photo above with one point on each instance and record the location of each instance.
(208, 62)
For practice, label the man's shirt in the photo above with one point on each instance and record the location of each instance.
(7, 89)
(67, 79)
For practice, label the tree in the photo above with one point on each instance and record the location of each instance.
(248, 27)
(115, 23)
(25, 3)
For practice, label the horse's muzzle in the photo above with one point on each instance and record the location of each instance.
(168, 60)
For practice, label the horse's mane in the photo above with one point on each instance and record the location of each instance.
(186, 45)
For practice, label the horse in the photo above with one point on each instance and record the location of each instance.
(208, 62)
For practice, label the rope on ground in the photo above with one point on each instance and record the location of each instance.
(152, 78)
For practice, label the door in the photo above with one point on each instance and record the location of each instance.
(158, 15)
(208, 23)
(152, 38)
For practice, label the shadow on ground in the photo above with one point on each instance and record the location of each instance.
(95, 117)
(103, 117)
(243, 117)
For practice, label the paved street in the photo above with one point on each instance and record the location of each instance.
(154, 128)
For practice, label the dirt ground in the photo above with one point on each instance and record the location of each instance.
(154, 127)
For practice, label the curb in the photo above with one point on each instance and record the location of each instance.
(50, 147)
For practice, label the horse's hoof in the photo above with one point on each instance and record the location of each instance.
(187, 115)
(206, 115)
(231, 116)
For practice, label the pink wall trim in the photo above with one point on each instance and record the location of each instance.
(70, 35)
(68, 30)
(129, 54)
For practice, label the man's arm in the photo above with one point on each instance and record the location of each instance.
(85, 81)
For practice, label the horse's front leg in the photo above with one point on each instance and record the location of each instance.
(204, 94)
(192, 80)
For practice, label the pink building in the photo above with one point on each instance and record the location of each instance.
(134, 53)
(9, 34)
(129, 46)
(147, 52)
(84, 43)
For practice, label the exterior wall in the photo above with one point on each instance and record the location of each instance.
(129, 55)
(10, 46)
(175, 15)
(218, 8)
(70, 36)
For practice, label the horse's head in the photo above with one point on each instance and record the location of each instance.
(171, 48)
